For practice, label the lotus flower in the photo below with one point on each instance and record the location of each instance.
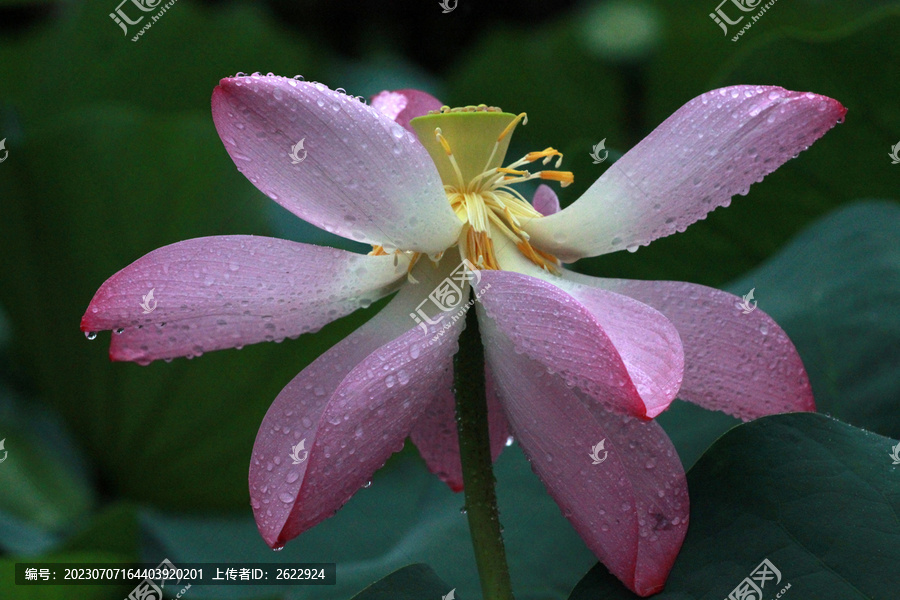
(571, 359)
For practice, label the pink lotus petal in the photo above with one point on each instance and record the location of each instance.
(362, 176)
(229, 291)
(623, 354)
(741, 364)
(710, 149)
(402, 106)
(647, 341)
(632, 508)
(352, 408)
(545, 200)
(437, 437)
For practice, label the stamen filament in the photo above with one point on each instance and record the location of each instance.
(446, 146)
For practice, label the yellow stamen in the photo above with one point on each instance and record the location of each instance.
(546, 154)
(521, 117)
(512, 171)
(446, 146)
(491, 210)
(546, 261)
(563, 177)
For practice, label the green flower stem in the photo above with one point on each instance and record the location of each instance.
(477, 467)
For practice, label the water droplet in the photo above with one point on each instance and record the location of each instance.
(286, 497)
(91, 335)
(367, 484)
(509, 441)
(278, 548)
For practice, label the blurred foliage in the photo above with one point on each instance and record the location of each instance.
(112, 153)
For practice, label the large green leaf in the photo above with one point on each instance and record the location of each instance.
(816, 497)
(409, 583)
